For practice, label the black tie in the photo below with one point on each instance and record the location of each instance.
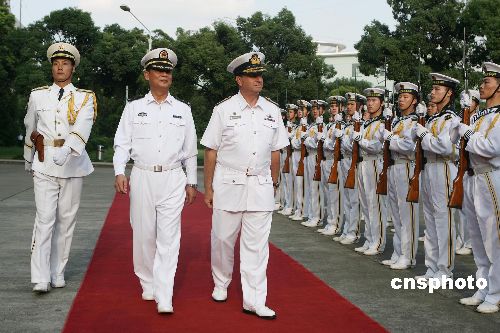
(61, 92)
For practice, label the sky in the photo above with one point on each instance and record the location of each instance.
(339, 21)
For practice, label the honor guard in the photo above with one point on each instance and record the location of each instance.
(289, 169)
(158, 133)
(437, 179)
(480, 204)
(242, 141)
(279, 197)
(369, 168)
(402, 147)
(351, 231)
(333, 192)
(58, 122)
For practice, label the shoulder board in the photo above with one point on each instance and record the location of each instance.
(447, 117)
(225, 99)
(84, 90)
(40, 88)
(414, 117)
(270, 100)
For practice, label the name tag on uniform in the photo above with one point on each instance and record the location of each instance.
(234, 117)
(269, 118)
(177, 117)
(142, 114)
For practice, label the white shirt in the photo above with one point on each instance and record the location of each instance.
(437, 143)
(156, 133)
(55, 119)
(484, 144)
(370, 143)
(401, 144)
(244, 138)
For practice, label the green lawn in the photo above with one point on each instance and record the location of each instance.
(11, 153)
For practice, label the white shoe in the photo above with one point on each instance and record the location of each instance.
(339, 238)
(348, 241)
(167, 309)
(147, 296)
(487, 307)
(310, 223)
(464, 251)
(277, 206)
(219, 294)
(321, 230)
(263, 312)
(329, 232)
(400, 265)
(371, 252)
(388, 262)
(472, 301)
(296, 218)
(421, 238)
(361, 248)
(429, 274)
(286, 212)
(42, 287)
(58, 283)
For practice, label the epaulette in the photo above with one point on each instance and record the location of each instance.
(84, 90)
(225, 99)
(270, 100)
(40, 88)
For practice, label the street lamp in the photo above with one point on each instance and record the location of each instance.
(126, 8)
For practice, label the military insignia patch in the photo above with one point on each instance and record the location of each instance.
(255, 60)
(177, 116)
(142, 114)
(269, 118)
(164, 54)
(234, 117)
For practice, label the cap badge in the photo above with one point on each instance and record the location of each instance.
(164, 54)
(254, 60)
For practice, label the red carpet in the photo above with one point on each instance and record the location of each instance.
(109, 299)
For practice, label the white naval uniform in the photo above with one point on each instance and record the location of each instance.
(57, 188)
(436, 187)
(315, 195)
(244, 138)
(405, 214)
(298, 181)
(372, 204)
(351, 204)
(333, 192)
(481, 205)
(156, 134)
(288, 178)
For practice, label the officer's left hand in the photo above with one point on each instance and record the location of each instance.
(61, 155)
(190, 194)
(462, 129)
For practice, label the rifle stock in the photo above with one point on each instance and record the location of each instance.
(286, 166)
(334, 171)
(382, 178)
(319, 157)
(303, 151)
(413, 188)
(351, 175)
(457, 194)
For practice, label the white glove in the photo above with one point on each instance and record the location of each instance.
(421, 109)
(455, 121)
(338, 133)
(319, 120)
(303, 121)
(303, 135)
(356, 116)
(387, 113)
(27, 166)
(356, 136)
(61, 155)
(464, 100)
(454, 135)
(420, 130)
(320, 136)
(463, 129)
(289, 124)
(387, 135)
(338, 117)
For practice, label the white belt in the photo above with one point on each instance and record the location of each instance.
(372, 157)
(483, 169)
(53, 143)
(157, 168)
(264, 172)
(401, 161)
(437, 159)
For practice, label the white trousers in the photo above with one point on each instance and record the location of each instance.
(404, 214)
(463, 238)
(307, 179)
(316, 197)
(254, 252)
(57, 201)
(372, 204)
(436, 186)
(481, 207)
(156, 203)
(351, 205)
(333, 196)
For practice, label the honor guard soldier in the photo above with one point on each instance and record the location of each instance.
(279, 197)
(58, 122)
(437, 179)
(470, 99)
(334, 192)
(158, 133)
(293, 159)
(480, 204)
(402, 148)
(302, 194)
(311, 142)
(369, 168)
(242, 141)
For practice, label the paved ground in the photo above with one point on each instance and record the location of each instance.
(360, 279)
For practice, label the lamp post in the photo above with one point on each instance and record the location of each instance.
(126, 8)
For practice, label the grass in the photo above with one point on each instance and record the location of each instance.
(11, 153)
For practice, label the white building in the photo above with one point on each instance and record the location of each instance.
(346, 63)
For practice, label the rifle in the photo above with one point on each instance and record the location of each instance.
(286, 166)
(303, 152)
(351, 175)
(320, 156)
(382, 178)
(334, 173)
(413, 188)
(457, 194)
